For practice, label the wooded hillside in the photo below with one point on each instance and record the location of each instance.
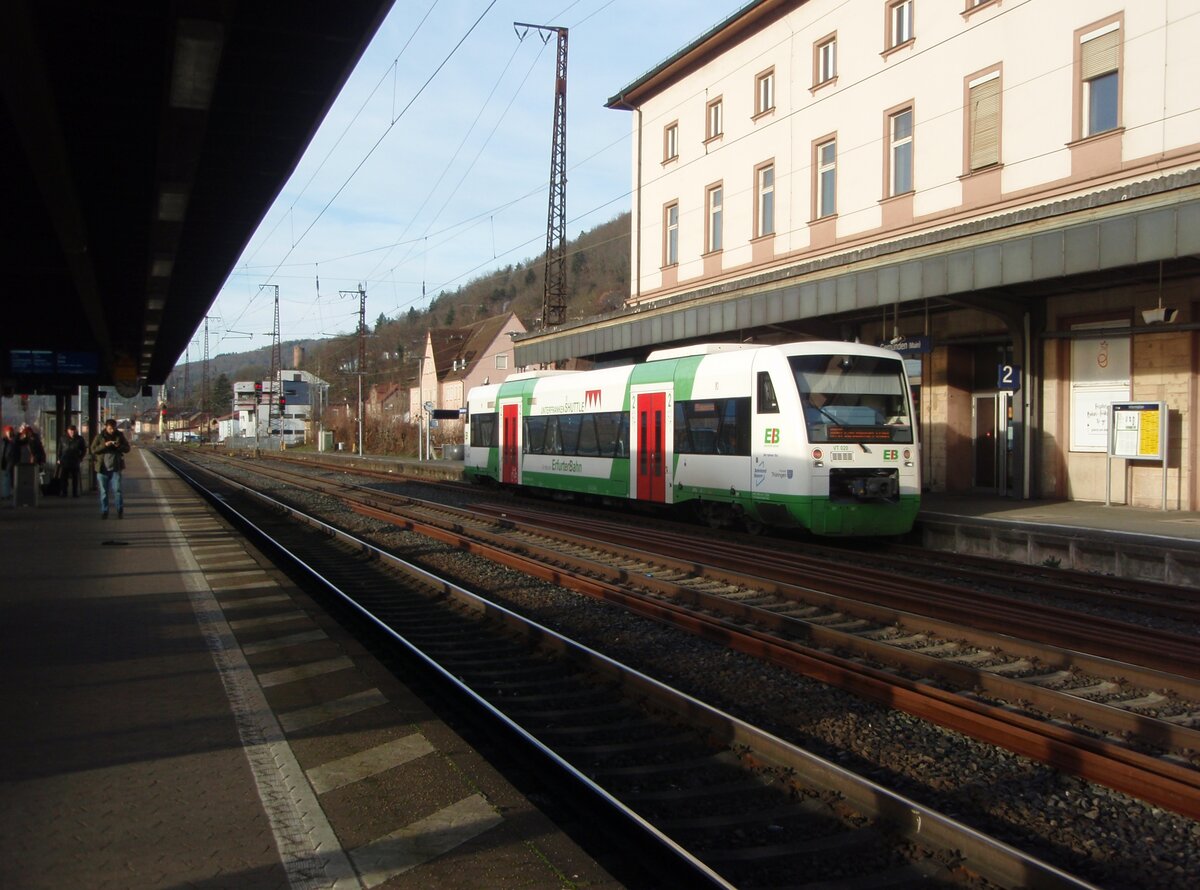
(597, 282)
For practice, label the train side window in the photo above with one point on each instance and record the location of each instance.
(697, 425)
(553, 441)
(589, 443)
(735, 428)
(767, 403)
(612, 433)
(623, 435)
(483, 431)
(535, 434)
(568, 433)
(713, 426)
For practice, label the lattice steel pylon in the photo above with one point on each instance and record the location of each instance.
(554, 299)
(204, 380)
(362, 353)
(276, 370)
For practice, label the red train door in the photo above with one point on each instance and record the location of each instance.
(651, 457)
(508, 446)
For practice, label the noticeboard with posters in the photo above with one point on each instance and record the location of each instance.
(1137, 430)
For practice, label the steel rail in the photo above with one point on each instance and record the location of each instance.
(1161, 650)
(994, 860)
(1152, 779)
(699, 871)
(1172, 792)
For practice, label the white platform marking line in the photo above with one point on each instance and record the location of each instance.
(220, 578)
(243, 623)
(303, 718)
(424, 840)
(256, 601)
(310, 851)
(347, 770)
(308, 636)
(208, 550)
(224, 564)
(305, 671)
(246, 585)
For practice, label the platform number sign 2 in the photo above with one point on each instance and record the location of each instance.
(1008, 377)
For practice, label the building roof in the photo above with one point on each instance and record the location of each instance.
(747, 20)
(456, 350)
(382, 392)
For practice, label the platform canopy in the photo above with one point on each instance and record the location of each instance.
(141, 144)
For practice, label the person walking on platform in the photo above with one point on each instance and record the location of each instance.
(10, 456)
(110, 447)
(71, 449)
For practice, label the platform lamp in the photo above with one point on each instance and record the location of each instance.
(1160, 314)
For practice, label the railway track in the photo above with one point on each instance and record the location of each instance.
(997, 688)
(1124, 596)
(726, 803)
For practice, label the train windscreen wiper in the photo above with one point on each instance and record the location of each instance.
(833, 420)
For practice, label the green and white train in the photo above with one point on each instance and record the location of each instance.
(817, 435)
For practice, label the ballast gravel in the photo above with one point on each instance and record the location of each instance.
(1099, 835)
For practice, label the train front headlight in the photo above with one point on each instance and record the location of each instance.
(817, 462)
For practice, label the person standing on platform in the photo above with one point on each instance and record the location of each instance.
(109, 448)
(71, 449)
(31, 461)
(30, 444)
(10, 455)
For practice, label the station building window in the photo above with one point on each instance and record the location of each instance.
(670, 142)
(900, 25)
(715, 201)
(825, 60)
(983, 121)
(825, 178)
(900, 152)
(764, 177)
(764, 92)
(671, 234)
(715, 119)
(1099, 67)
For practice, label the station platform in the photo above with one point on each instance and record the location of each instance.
(1133, 542)
(177, 714)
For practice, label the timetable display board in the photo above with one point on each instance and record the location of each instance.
(1137, 430)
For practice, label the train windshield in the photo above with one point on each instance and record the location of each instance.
(853, 398)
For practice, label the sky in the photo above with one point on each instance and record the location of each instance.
(432, 167)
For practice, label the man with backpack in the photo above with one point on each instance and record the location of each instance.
(109, 448)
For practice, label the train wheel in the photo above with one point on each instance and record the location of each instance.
(753, 526)
(713, 515)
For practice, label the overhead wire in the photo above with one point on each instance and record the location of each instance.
(391, 69)
(457, 229)
(450, 163)
(379, 141)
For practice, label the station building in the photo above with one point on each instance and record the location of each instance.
(1007, 192)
